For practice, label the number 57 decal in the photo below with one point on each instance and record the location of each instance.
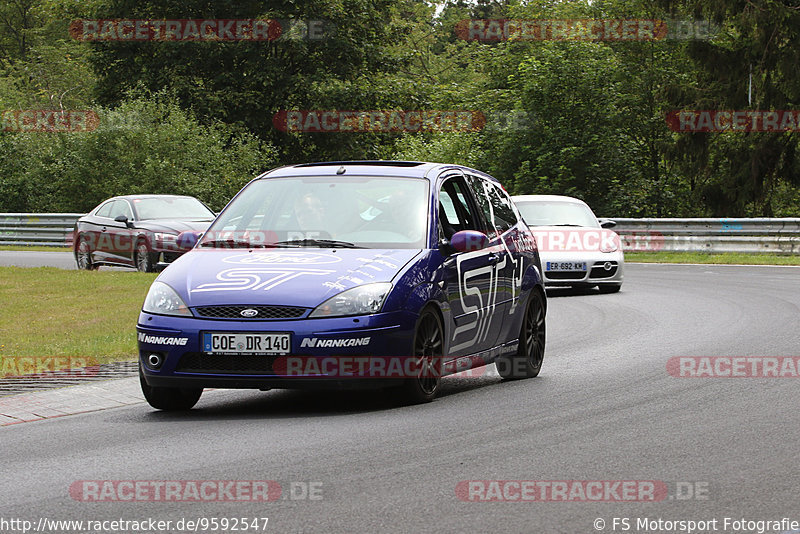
(470, 282)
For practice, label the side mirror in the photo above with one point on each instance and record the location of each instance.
(124, 220)
(469, 240)
(187, 240)
(607, 223)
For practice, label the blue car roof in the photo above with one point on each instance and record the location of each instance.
(412, 169)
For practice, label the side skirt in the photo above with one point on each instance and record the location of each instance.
(479, 359)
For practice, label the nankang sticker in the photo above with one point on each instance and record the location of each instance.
(329, 343)
(163, 340)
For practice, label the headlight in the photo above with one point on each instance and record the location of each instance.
(163, 240)
(163, 300)
(609, 241)
(361, 300)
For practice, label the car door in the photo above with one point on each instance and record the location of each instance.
(94, 231)
(118, 238)
(507, 224)
(471, 277)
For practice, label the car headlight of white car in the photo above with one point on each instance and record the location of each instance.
(361, 300)
(163, 300)
(164, 240)
(610, 242)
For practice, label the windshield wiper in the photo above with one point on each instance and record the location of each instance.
(239, 243)
(576, 225)
(323, 243)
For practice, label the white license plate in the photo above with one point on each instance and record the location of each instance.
(565, 266)
(267, 343)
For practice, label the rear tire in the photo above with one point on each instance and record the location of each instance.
(429, 354)
(169, 399)
(527, 362)
(144, 259)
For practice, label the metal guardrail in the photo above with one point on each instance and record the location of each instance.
(52, 229)
(777, 235)
(771, 235)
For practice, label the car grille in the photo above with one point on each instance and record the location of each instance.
(565, 275)
(598, 271)
(235, 312)
(197, 362)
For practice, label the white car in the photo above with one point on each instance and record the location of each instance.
(575, 247)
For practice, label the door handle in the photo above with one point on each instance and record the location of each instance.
(494, 257)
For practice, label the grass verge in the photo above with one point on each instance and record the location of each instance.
(707, 257)
(49, 312)
(33, 248)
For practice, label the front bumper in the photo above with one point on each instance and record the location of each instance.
(179, 343)
(603, 268)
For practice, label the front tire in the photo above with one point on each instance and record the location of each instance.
(527, 362)
(144, 259)
(429, 354)
(83, 255)
(169, 399)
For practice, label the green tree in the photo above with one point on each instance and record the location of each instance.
(750, 65)
(142, 146)
(246, 83)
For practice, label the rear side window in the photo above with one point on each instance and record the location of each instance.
(504, 215)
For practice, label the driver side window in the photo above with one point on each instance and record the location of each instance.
(105, 211)
(455, 211)
(121, 207)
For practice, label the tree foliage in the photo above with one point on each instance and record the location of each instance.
(142, 146)
(575, 117)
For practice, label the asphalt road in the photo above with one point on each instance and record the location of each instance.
(40, 258)
(604, 409)
(37, 258)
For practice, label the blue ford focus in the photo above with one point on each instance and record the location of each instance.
(377, 274)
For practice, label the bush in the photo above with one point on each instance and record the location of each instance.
(146, 145)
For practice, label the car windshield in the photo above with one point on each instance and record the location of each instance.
(171, 208)
(556, 213)
(355, 211)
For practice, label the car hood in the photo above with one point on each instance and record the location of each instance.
(283, 276)
(173, 226)
(575, 239)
